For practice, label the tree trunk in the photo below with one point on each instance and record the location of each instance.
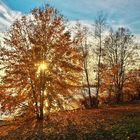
(109, 94)
(119, 96)
(88, 84)
(42, 88)
(98, 73)
(87, 76)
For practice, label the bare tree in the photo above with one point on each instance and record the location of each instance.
(82, 32)
(120, 56)
(100, 26)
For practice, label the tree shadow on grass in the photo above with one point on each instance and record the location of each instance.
(37, 132)
(72, 132)
(29, 130)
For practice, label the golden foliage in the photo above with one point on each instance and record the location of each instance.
(41, 37)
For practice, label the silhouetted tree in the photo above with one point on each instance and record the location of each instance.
(82, 33)
(119, 56)
(100, 26)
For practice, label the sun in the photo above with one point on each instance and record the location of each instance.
(43, 66)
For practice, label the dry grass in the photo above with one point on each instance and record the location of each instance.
(112, 122)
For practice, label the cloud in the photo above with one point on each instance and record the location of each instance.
(119, 13)
(122, 12)
(7, 16)
(137, 38)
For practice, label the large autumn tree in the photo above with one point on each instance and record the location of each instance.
(42, 65)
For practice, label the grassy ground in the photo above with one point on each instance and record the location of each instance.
(120, 122)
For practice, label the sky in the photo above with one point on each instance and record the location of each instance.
(119, 12)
